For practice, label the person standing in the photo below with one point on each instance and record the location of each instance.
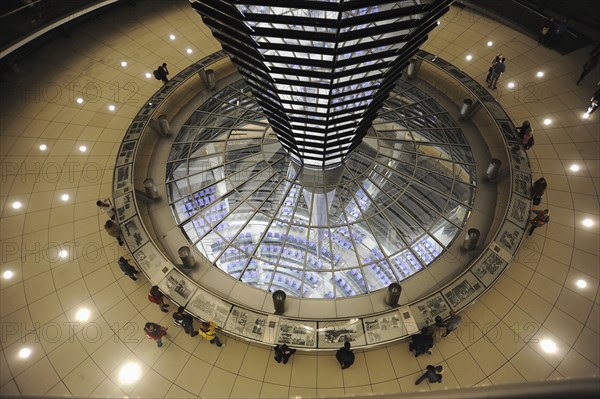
(539, 187)
(284, 353)
(589, 66)
(594, 101)
(433, 374)
(185, 320)
(526, 137)
(157, 297)
(208, 331)
(541, 218)
(496, 60)
(498, 70)
(524, 128)
(345, 356)
(156, 332)
(450, 324)
(106, 207)
(112, 229)
(162, 72)
(547, 31)
(559, 31)
(127, 268)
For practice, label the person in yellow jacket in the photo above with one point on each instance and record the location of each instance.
(208, 331)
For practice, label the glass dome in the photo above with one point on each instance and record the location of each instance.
(389, 211)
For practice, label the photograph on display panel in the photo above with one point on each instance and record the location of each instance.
(431, 307)
(246, 323)
(209, 307)
(333, 334)
(383, 328)
(176, 286)
(463, 291)
(297, 333)
(125, 207)
(152, 262)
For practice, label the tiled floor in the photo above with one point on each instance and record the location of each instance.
(500, 338)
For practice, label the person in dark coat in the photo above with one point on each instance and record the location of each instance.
(498, 70)
(539, 187)
(186, 321)
(433, 374)
(283, 352)
(423, 342)
(345, 356)
(162, 72)
(127, 268)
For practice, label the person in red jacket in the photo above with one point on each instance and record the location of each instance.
(156, 332)
(157, 297)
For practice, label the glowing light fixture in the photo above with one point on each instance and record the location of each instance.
(130, 372)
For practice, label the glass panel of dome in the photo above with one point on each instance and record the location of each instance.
(190, 231)
(375, 279)
(404, 227)
(462, 154)
(463, 193)
(465, 173)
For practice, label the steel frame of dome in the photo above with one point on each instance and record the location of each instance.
(321, 70)
(238, 199)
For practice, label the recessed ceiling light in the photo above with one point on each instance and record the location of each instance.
(111, 107)
(588, 222)
(511, 85)
(63, 254)
(129, 373)
(585, 115)
(574, 167)
(581, 284)
(438, 22)
(548, 345)
(43, 147)
(79, 100)
(82, 148)
(123, 64)
(539, 74)
(64, 197)
(547, 121)
(469, 57)
(189, 51)
(16, 205)
(148, 75)
(490, 44)
(172, 37)
(24, 353)
(82, 314)
(7, 275)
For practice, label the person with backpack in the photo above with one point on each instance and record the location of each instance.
(156, 332)
(541, 218)
(161, 73)
(185, 321)
(157, 297)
